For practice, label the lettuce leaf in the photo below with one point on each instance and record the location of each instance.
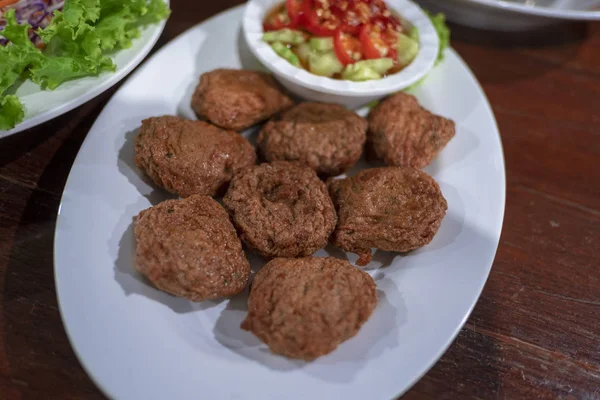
(57, 70)
(119, 23)
(14, 32)
(74, 21)
(15, 60)
(439, 23)
(78, 42)
(11, 111)
(73, 48)
(16, 57)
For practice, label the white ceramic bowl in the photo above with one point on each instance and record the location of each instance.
(351, 94)
(516, 15)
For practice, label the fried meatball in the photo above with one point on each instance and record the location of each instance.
(329, 138)
(237, 99)
(281, 209)
(190, 249)
(305, 307)
(404, 134)
(391, 208)
(190, 157)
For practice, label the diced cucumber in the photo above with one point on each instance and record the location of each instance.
(414, 34)
(379, 65)
(286, 53)
(359, 73)
(288, 36)
(367, 69)
(321, 43)
(303, 51)
(407, 49)
(324, 64)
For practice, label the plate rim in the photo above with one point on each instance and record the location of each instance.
(95, 90)
(449, 340)
(540, 11)
(461, 325)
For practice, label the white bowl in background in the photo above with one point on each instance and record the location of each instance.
(516, 15)
(351, 94)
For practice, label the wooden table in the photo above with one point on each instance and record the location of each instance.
(535, 332)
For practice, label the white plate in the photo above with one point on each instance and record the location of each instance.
(514, 15)
(138, 343)
(43, 105)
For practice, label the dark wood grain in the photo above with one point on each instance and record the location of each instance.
(535, 332)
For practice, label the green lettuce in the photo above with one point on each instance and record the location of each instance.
(11, 111)
(117, 28)
(443, 32)
(439, 23)
(78, 43)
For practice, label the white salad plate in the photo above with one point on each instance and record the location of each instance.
(138, 343)
(44, 105)
(514, 15)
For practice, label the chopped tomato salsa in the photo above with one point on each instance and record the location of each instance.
(361, 29)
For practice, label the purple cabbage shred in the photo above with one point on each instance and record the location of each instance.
(37, 13)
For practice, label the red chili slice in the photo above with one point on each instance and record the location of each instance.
(313, 23)
(347, 48)
(275, 25)
(372, 43)
(351, 29)
(294, 10)
(279, 21)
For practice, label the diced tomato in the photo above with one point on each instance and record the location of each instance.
(372, 43)
(361, 28)
(351, 29)
(347, 47)
(377, 44)
(314, 26)
(393, 54)
(294, 8)
(343, 12)
(390, 37)
(320, 26)
(279, 21)
(274, 25)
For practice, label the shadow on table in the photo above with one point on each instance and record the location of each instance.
(36, 354)
(507, 56)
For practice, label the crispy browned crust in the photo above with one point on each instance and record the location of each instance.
(402, 133)
(237, 99)
(281, 209)
(329, 138)
(190, 157)
(190, 249)
(305, 307)
(392, 208)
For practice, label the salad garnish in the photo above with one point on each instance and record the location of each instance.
(76, 42)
